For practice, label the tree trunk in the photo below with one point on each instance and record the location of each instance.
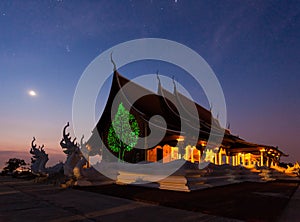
(123, 154)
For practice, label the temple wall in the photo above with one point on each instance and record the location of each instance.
(217, 156)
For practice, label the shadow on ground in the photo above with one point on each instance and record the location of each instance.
(247, 201)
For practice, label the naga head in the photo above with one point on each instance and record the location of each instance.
(37, 152)
(83, 147)
(68, 145)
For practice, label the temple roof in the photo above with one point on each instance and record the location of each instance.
(168, 105)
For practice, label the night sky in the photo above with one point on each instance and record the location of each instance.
(252, 46)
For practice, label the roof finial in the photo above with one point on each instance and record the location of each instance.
(112, 61)
(157, 76)
(228, 125)
(174, 83)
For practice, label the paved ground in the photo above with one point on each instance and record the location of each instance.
(292, 211)
(25, 201)
(247, 201)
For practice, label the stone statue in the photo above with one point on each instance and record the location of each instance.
(71, 148)
(77, 166)
(39, 160)
(295, 169)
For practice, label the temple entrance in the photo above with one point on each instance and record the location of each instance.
(159, 154)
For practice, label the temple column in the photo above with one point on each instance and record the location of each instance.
(249, 160)
(268, 161)
(243, 159)
(261, 158)
(227, 159)
(180, 150)
(192, 155)
(199, 154)
(216, 159)
(186, 155)
(220, 157)
(146, 143)
(146, 155)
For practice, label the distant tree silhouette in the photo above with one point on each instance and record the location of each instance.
(123, 135)
(12, 164)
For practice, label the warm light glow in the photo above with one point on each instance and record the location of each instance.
(88, 147)
(203, 143)
(180, 139)
(209, 155)
(174, 153)
(32, 93)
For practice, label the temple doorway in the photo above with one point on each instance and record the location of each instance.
(159, 154)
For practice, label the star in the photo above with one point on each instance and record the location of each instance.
(68, 48)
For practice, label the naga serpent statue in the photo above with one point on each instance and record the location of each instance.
(77, 164)
(39, 160)
(71, 148)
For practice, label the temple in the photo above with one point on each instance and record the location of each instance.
(174, 144)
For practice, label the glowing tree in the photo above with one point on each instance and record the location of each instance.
(123, 133)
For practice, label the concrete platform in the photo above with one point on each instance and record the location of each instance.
(292, 212)
(246, 201)
(27, 201)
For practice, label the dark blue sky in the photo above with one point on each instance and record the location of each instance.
(252, 46)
